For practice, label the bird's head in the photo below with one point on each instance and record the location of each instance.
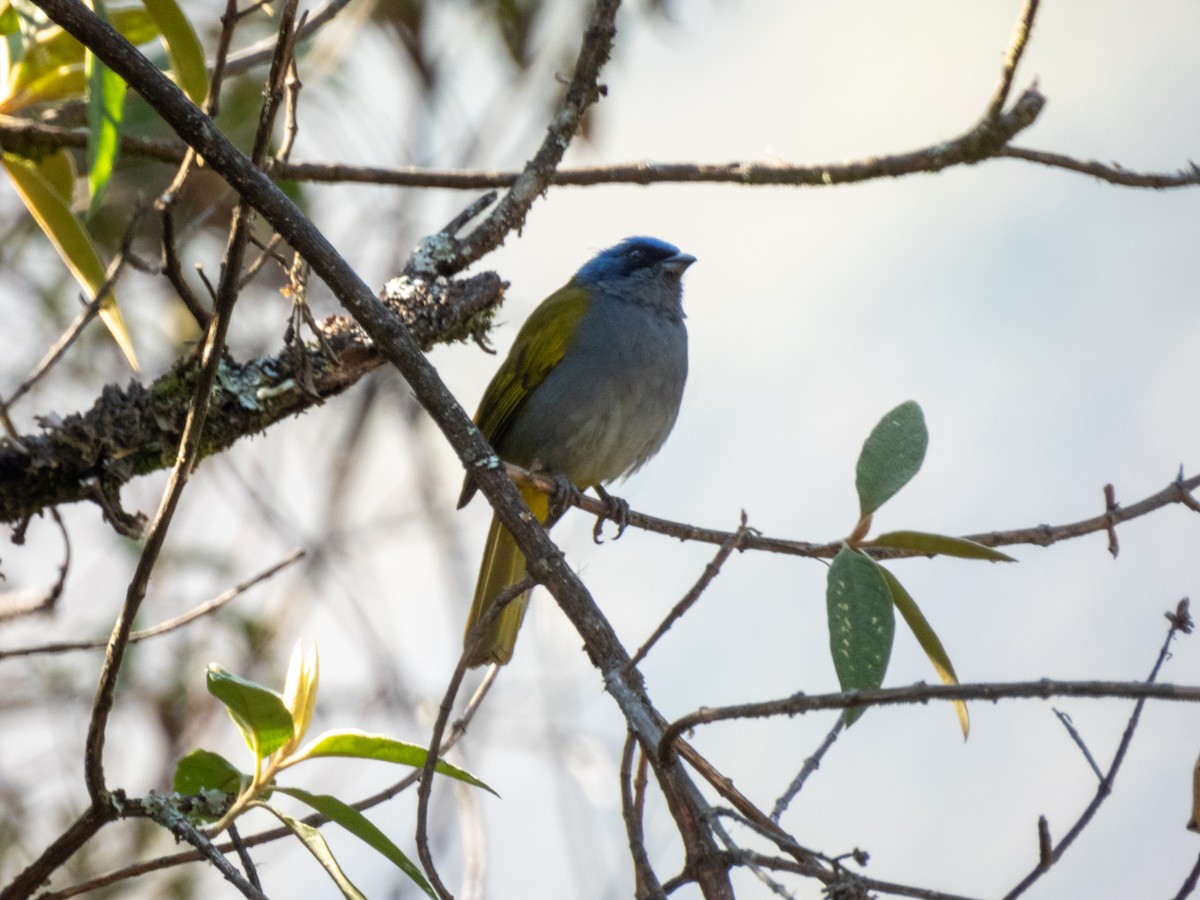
(642, 269)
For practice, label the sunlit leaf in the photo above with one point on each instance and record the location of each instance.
(929, 642)
(862, 624)
(52, 212)
(183, 48)
(106, 113)
(360, 745)
(938, 544)
(52, 66)
(300, 688)
(362, 828)
(312, 840)
(259, 712)
(891, 456)
(10, 22)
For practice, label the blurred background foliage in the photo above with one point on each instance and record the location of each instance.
(387, 83)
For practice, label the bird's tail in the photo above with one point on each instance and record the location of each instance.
(503, 565)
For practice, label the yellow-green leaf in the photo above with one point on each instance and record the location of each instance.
(362, 828)
(58, 168)
(928, 640)
(10, 22)
(300, 689)
(52, 66)
(53, 215)
(938, 544)
(183, 48)
(312, 839)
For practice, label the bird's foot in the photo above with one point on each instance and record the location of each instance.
(617, 510)
(565, 496)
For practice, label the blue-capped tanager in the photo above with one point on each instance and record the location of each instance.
(589, 391)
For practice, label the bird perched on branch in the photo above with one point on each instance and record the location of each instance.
(589, 391)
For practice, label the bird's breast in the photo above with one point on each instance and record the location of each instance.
(611, 401)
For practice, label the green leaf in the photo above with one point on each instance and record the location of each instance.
(861, 623)
(311, 838)
(203, 770)
(929, 642)
(106, 113)
(259, 712)
(52, 212)
(58, 168)
(10, 22)
(52, 66)
(362, 828)
(183, 48)
(938, 544)
(891, 456)
(360, 745)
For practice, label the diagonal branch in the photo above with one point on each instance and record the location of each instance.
(393, 340)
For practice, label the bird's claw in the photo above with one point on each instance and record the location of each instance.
(617, 510)
(565, 496)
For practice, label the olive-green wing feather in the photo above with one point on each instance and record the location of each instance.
(542, 341)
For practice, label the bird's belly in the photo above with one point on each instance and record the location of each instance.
(601, 415)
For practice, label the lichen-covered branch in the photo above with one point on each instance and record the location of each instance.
(134, 430)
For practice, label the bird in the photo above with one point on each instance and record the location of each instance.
(589, 391)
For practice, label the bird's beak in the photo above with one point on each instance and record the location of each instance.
(678, 263)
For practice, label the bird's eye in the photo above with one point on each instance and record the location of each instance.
(637, 257)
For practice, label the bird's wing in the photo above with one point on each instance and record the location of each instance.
(541, 343)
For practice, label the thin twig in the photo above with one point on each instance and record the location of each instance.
(810, 765)
(633, 805)
(91, 309)
(50, 598)
(1012, 57)
(800, 704)
(1180, 624)
(243, 853)
(166, 627)
(260, 53)
(686, 602)
(582, 92)
(1189, 883)
(1178, 491)
(1078, 739)
(425, 788)
(184, 830)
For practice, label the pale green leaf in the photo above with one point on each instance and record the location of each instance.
(938, 544)
(360, 745)
(362, 828)
(259, 712)
(891, 456)
(862, 624)
(929, 642)
(312, 840)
